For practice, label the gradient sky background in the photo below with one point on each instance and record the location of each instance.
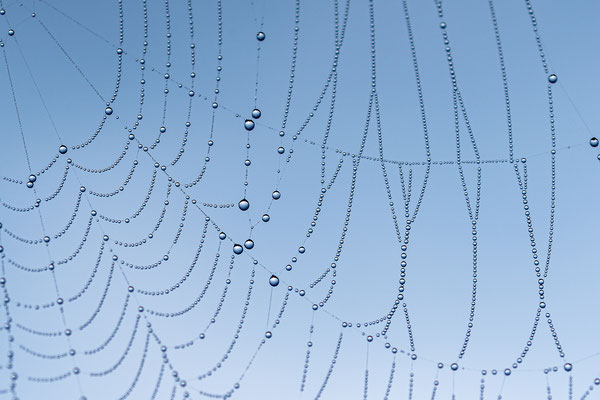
(58, 59)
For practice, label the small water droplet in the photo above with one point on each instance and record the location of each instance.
(256, 113)
(273, 280)
(594, 142)
(276, 195)
(260, 36)
(108, 111)
(249, 244)
(266, 218)
(552, 78)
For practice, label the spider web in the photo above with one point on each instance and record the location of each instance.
(293, 200)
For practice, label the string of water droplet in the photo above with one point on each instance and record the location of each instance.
(523, 181)
(473, 214)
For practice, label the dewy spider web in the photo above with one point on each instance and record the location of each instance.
(196, 203)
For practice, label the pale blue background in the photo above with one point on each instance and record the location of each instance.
(439, 273)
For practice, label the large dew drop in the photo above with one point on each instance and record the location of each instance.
(237, 248)
(249, 124)
(244, 204)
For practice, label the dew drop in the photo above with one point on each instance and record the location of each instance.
(266, 218)
(552, 78)
(268, 334)
(594, 142)
(276, 195)
(568, 367)
(256, 113)
(11, 32)
(62, 149)
(244, 204)
(249, 124)
(108, 111)
(273, 281)
(454, 366)
(249, 244)
(222, 235)
(237, 248)
(260, 36)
